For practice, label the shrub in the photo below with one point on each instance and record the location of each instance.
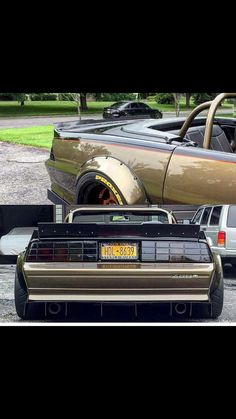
(65, 96)
(231, 101)
(202, 97)
(165, 98)
(43, 96)
(151, 98)
(13, 96)
(6, 96)
(116, 97)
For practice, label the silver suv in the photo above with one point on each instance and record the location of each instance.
(219, 224)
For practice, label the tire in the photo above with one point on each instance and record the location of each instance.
(217, 300)
(214, 309)
(90, 186)
(25, 310)
(158, 115)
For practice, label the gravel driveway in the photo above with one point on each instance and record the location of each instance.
(24, 179)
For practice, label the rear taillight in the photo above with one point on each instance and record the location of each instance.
(76, 251)
(175, 251)
(221, 237)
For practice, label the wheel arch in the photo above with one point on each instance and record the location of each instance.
(116, 173)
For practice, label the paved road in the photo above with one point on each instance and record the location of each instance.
(8, 314)
(24, 179)
(36, 121)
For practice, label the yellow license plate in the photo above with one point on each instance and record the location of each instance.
(119, 251)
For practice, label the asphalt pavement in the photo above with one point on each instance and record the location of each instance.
(31, 121)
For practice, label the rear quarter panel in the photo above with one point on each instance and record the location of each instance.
(200, 177)
(149, 164)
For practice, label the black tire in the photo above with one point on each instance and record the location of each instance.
(158, 115)
(214, 309)
(217, 300)
(88, 188)
(25, 310)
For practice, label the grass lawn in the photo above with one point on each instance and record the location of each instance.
(44, 108)
(33, 136)
(39, 136)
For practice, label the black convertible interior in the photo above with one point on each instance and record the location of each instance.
(213, 133)
(219, 139)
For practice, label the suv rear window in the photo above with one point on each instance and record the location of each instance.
(206, 214)
(215, 216)
(197, 216)
(231, 220)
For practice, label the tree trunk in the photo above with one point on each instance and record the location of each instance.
(98, 96)
(143, 95)
(188, 96)
(22, 103)
(176, 98)
(83, 102)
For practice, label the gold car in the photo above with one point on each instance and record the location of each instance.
(148, 161)
(122, 255)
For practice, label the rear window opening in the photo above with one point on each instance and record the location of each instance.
(231, 220)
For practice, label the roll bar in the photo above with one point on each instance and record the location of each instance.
(212, 105)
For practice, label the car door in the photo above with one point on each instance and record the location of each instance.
(142, 110)
(196, 175)
(126, 110)
(146, 110)
(134, 109)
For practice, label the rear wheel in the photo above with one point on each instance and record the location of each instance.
(158, 115)
(213, 309)
(96, 189)
(217, 299)
(25, 310)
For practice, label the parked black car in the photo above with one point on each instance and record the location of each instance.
(130, 109)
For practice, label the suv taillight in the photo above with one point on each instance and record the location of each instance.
(221, 238)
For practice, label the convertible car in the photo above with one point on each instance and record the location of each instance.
(118, 255)
(165, 161)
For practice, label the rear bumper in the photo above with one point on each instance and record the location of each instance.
(146, 282)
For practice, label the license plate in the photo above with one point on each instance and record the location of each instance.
(119, 251)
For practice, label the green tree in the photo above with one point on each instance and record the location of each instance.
(188, 96)
(20, 97)
(79, 98)
(203, 97)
